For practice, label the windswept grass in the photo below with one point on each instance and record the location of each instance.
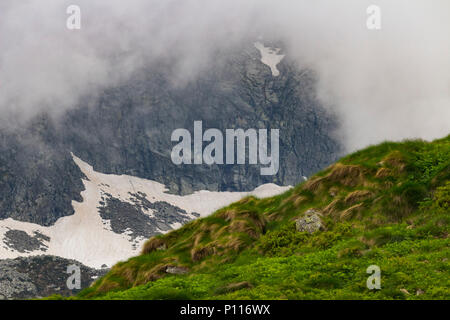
(386, 205)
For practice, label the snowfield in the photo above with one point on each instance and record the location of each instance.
(270, 57)
(88, 238)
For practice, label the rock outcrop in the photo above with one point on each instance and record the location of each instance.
(41, 276)
(311, 222)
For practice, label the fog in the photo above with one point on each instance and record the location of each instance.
(392, 83)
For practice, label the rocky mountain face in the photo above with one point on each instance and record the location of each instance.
(38, 178)
(41, 276)
(125, 132)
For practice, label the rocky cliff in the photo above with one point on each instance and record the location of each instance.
(126, 130)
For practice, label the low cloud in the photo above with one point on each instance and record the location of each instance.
(388, 84)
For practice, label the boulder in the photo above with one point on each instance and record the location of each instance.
(239, 286)
(176, 270)
(310, 222)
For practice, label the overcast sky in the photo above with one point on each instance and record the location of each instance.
(388, 84)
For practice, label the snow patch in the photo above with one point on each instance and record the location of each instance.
(270, 57)
(87, 238)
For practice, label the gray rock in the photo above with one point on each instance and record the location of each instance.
(310, 222)
(22, 242)
(40, 276)
(239, 286)
(136, 222)
(176, 270)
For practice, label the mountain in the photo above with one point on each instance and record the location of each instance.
(386, 207)
(92, 183)
(126, 129)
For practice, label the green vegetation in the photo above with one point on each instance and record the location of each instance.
(387, 205)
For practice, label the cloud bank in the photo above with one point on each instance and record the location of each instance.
(388, 84)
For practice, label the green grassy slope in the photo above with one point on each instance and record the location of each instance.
(387, 205)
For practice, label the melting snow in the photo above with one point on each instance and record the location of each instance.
(270, 57)
(85, 237)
